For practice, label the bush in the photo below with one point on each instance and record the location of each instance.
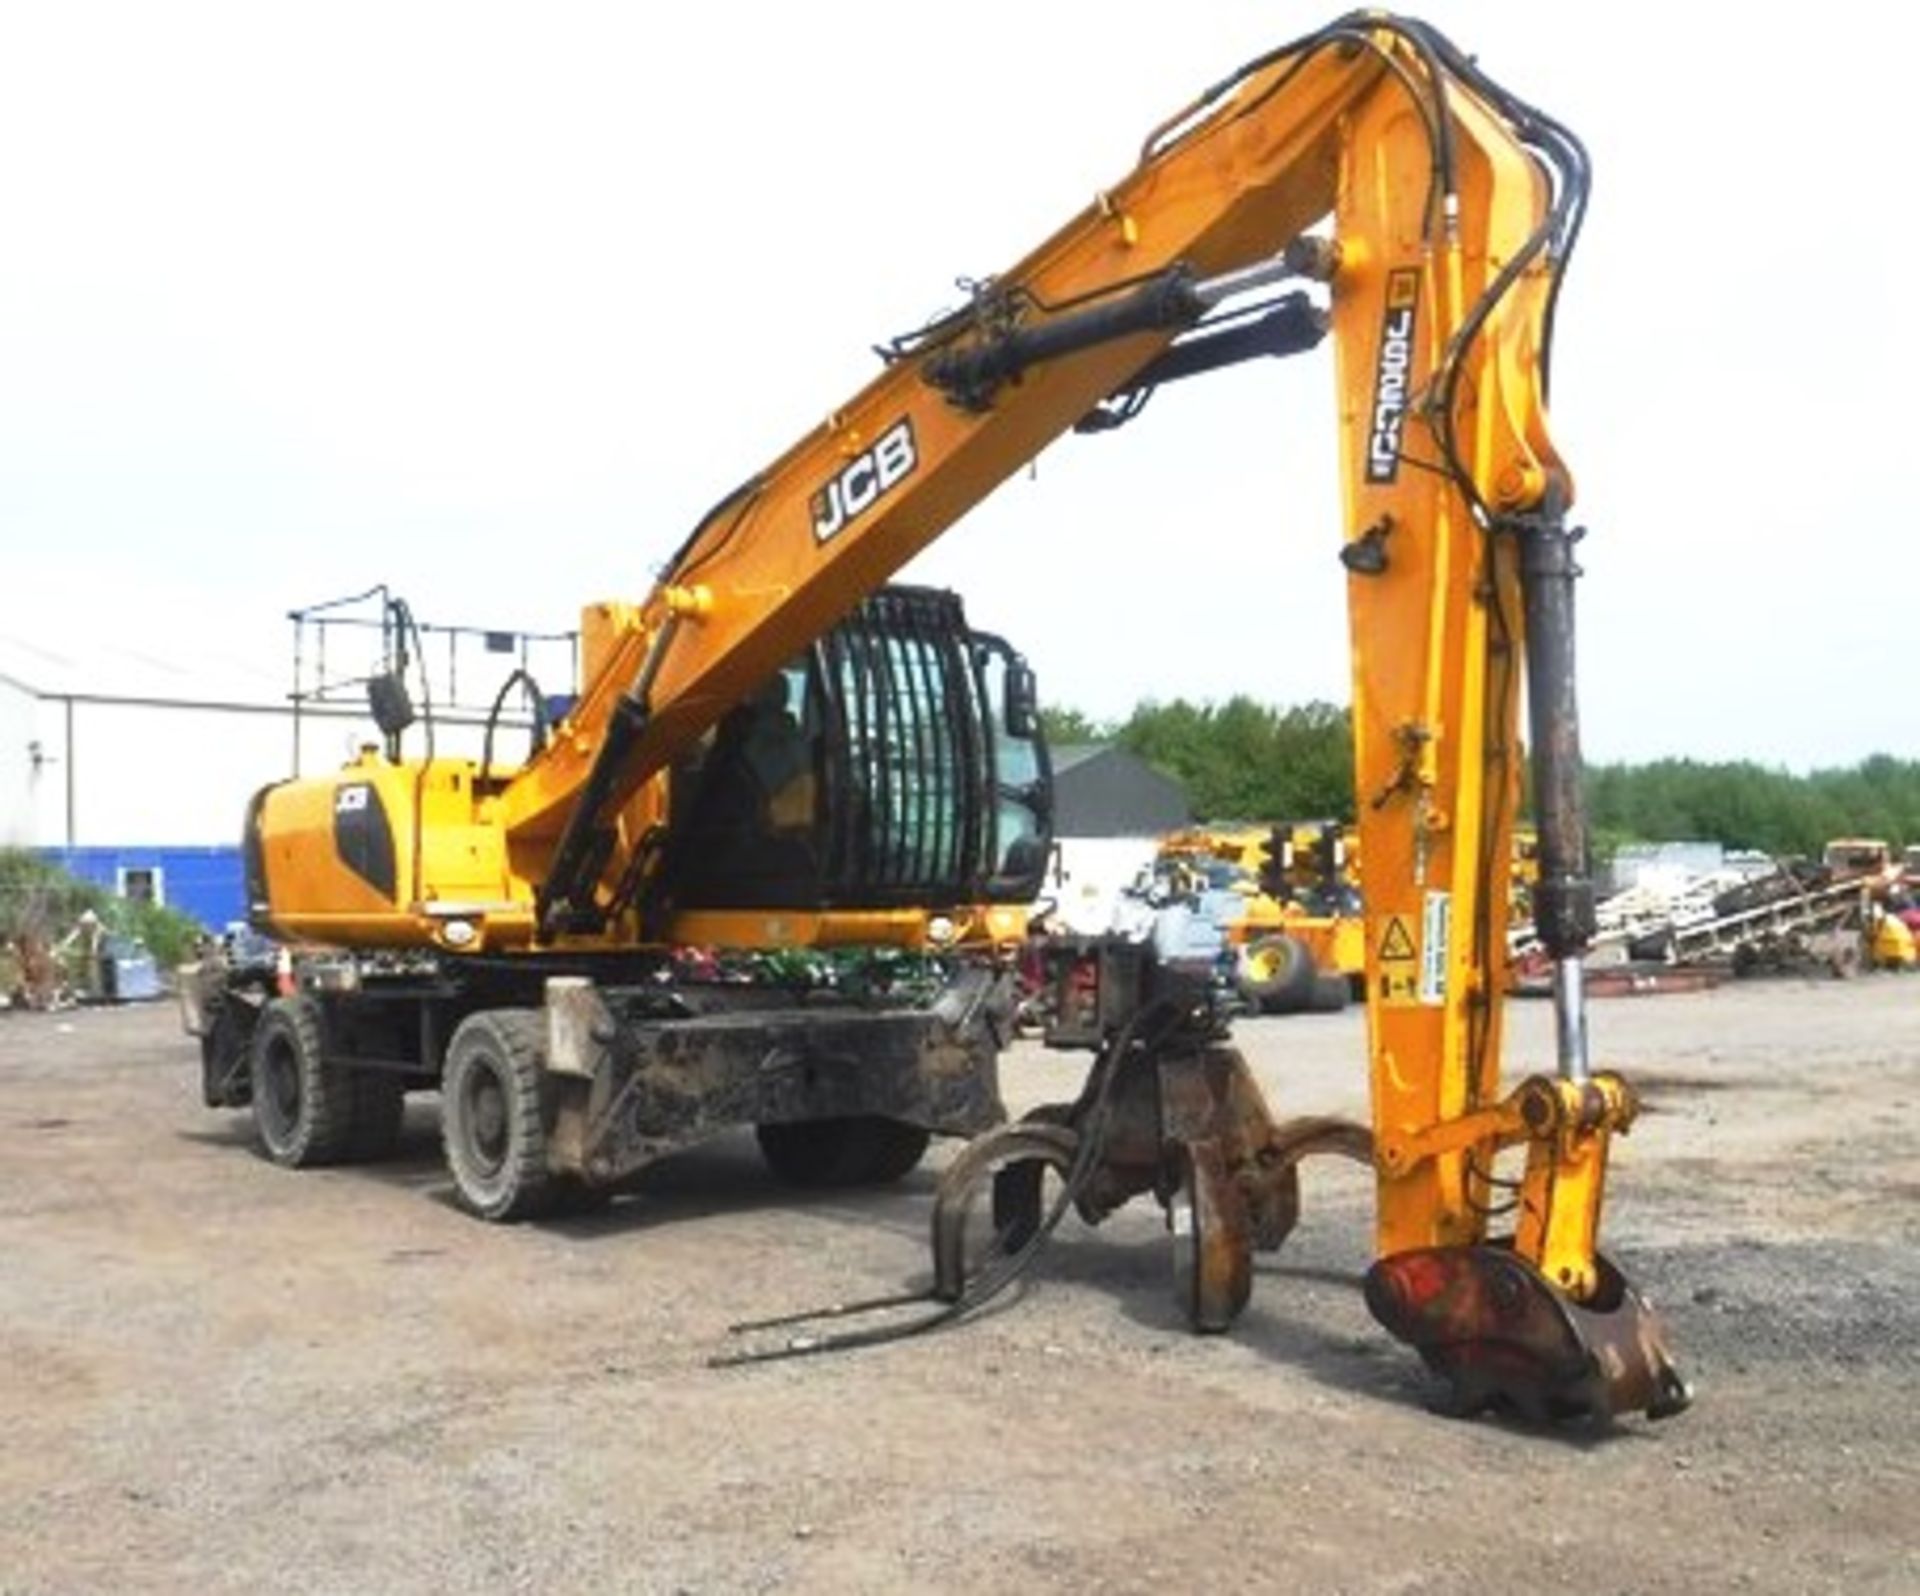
(170, 936)
(43, 901)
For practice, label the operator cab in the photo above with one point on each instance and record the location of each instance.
(899, 761)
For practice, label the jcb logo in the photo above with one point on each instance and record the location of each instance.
(1392, 377)
(863, 480)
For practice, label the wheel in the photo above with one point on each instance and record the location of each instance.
(860, 1150)
(302, 1106)
(1277, 974)
(492, 1120)
(1330, 993)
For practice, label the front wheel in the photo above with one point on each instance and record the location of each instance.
(492, 1119)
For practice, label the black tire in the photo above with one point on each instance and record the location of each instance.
(493, 1125)
(1277, 974)
(1330, 994)
(302, 1106)
(860, 1150)
(379, 1104)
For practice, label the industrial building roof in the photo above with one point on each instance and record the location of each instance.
(101, 668)
(1104, 791)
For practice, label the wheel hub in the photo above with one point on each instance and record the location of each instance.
(487, 1115)
(283, 1085)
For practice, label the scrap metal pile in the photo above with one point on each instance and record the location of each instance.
(1853, 910)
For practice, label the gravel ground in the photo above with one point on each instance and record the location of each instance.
(221, 1376)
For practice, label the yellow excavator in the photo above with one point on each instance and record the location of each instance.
(591, 955)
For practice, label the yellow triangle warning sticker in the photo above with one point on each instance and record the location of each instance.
(1396, 942)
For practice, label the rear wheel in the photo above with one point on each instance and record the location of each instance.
(859, 1150)
(492, 1119)
(302, 1106)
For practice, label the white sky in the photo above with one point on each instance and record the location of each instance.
(489, 303)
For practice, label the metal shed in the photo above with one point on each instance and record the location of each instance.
(1104, 791)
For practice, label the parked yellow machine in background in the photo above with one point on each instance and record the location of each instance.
(1298, 935)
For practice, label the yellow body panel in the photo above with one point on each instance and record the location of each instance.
(449, 865)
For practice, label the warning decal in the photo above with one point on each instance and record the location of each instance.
(1396, 943)
(1399, 964)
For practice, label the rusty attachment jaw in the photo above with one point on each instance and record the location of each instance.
(1012, 1161)
(1170, 1109)
(1502, 1338)
(1207, 1216)
(1226, 1175)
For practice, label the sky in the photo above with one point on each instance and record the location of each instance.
(489, 303)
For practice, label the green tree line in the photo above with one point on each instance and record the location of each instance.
(1250, 761)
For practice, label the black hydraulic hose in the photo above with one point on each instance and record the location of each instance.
(1420, 38)
(748, 490)
(1582, 180)
(1563, 151)
(1453, 360)
(1432, 117)
(520, 678)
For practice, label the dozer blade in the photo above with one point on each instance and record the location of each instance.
(1501, 1336)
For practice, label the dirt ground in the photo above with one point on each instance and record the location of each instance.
(220, 1376)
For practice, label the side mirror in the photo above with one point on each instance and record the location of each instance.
(390, 702)
(1023, 700)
